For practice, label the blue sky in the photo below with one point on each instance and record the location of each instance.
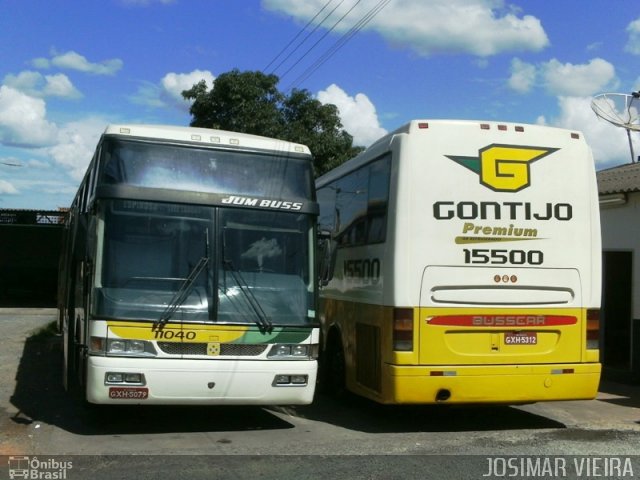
(69, 68)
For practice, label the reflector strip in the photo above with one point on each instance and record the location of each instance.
(560, 371)
(506, 320)
(443, 373)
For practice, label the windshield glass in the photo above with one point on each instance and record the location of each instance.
(265, 259)
(166, 262)
(210, 170)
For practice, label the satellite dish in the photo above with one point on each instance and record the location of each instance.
(621, 110)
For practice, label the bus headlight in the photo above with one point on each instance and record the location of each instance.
(122, 347)
(297, 351)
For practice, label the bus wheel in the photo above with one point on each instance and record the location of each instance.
(335, 369)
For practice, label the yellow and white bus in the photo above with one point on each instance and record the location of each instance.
(461, 263)
(188, 270)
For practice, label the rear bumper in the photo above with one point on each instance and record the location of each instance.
(201, 382)
(490, 384)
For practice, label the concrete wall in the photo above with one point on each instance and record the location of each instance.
(621, 232)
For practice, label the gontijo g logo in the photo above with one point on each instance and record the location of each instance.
(504, 168)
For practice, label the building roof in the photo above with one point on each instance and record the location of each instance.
(621, 179)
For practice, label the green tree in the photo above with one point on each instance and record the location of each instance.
(250, 102)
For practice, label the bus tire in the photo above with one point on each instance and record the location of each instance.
(335, 368)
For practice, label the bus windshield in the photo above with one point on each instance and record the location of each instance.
(159, 165)
(159, 261)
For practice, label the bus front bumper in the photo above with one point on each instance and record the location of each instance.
(200, 382)
(506, 384)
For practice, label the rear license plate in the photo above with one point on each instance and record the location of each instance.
(521, 338)
(128, 393)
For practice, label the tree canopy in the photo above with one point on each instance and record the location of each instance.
(250, 102)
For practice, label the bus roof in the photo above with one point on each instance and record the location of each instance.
(205, 136)
(381, 145)
(423, 124)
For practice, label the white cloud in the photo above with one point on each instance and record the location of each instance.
(633, 43)
(358, 114)
(566, 79)
(75, 145)
(38, 164)
(168, 93)
(173, 84)
(478, 27)
(41, 63)
(23, 120)
(26, 81)
(59, 85)
(148, 94)
(37, 85)
(74, 61)
(610, 144)
(7, 188)
(523, 76)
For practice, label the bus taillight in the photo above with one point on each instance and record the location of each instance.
(593, 329)
(403, 329)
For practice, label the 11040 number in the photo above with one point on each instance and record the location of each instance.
(484, 256)
(174, 334)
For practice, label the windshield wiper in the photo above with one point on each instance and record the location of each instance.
(263, 321)
(183, 292)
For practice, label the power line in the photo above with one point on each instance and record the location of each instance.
(341, 42)
(300, 32)
(306, 38)
(321, 38)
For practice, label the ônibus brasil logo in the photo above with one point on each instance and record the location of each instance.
(504, 168)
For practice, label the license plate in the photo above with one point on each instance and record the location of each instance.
(521, 338)
(128, 393)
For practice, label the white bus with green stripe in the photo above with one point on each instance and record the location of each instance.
(188, 270)
(461, 263)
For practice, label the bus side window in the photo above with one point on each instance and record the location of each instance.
(378, 199)
(351, 207)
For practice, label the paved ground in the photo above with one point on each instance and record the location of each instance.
(34, 410)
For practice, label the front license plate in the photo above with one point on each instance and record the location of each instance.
(521, 338)
(128, 393)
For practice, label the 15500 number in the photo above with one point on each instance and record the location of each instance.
(367, 269)
(484, 256)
